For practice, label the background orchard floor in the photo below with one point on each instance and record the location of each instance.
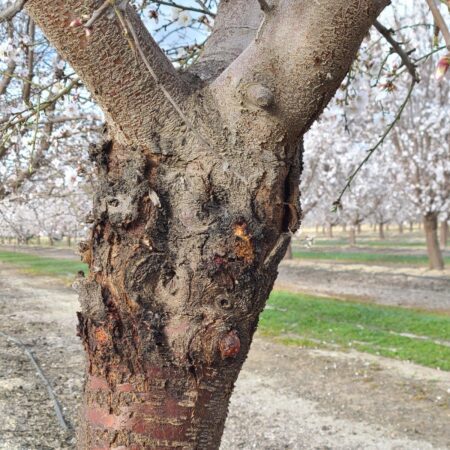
(285, 398)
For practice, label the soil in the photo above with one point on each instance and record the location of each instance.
(412, 287)
(285, 398)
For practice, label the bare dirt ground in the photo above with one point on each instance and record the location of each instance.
(285, 398)
(388, 285)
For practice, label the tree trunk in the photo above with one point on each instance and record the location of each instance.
(359, 228)
(51, 241)
(411, 227)
(430, 223)
(444, 234)
(352, 236)
(178, 277)
(330, 230)
(324, 229)
(317, 228)
(381, 231)
(400, 228)
(344, 227)
(289, 254)
(69, 240)
(196, 201)
(38, 240)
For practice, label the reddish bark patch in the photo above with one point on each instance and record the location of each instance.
(230, 345)
(101, 336)
(98, 384)
(99, 418)
(243, 248)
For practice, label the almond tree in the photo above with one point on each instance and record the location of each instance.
(196, 200)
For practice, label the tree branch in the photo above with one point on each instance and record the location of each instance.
(234, 29)
(406, 60)
(440, 22)
(8, 76)
(11, 11)
(338, 202)
(290, 66)
(111, 69)
(264, 6)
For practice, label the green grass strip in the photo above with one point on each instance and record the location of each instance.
(38, 265)
(363, 243)
(362, 257)
(321, 322)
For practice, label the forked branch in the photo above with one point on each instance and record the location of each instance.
(397, 48)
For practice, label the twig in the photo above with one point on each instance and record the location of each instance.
(338, 203)
(264, 6)
(406, 60)
(42, 376)
(185, 8)
(9, 13)
(440, 22)
(98, 13)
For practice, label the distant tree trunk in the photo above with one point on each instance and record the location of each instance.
(51, 241)
(344, 227)
(38, 240)
(381, 230)
(288, 254)
(400, 228)
(317, 228)
(444, 234)
(330, 230)
(411, 226)
(352, 236)
(430, 223)
(323, 229)
(69, 240)
(387, 227)
(359, 228)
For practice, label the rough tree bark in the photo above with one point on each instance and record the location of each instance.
(196, 200)
(430, 224)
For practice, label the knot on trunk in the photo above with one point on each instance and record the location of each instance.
(259, 95)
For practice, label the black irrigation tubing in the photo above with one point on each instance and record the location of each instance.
(40, 373)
